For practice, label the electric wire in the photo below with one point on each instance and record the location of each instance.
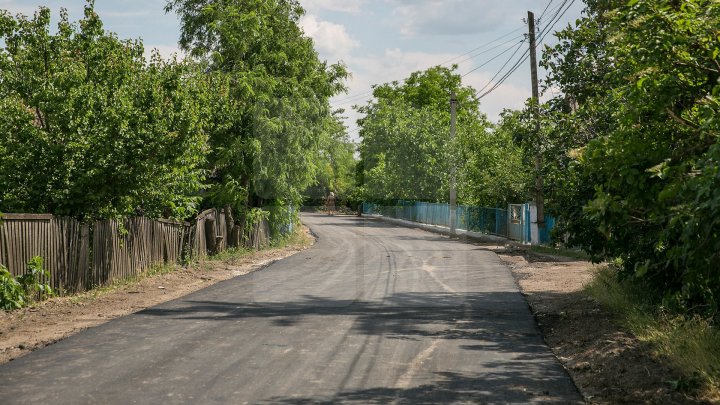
(352, 98)
(545, 9)
(517, 48)
(359, 96)
(482, 46)
(514, 39)
(558, 14)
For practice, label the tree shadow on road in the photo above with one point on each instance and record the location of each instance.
(489, 316)
(504, 386)
(494, 323)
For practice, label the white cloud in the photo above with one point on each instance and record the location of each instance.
(166, 51)
(396, 65)
(331, 40)
(15, 7)
(451, 17)
(345, 6)
(126, 14)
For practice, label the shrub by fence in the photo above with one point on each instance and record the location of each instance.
(80, 256)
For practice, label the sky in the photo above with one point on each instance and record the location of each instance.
(378, 40)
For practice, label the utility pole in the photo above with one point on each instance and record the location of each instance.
(539, 197)
(453, 192)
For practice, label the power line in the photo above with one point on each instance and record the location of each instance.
(543, 33)
(514, 39)
(517, 48)
(355, 97)
(556, 12)
(512, 70)
(556, 17)
(482, 46)
(545, 9)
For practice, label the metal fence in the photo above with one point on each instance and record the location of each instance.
(513, 222)
(80, 256)
(492, 221)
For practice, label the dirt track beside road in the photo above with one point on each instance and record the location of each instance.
(608, 364)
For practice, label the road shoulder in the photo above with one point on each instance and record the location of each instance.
(607, 363)
(28, 329)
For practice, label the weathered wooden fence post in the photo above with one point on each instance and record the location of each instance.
(210, 233)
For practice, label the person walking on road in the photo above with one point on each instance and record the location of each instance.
(330, 204)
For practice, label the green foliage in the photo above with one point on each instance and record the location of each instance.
(255, 216)
(641, 84)
(336, 165)
(282, 219)
(406, 152)
(690, 343)
(12, 295)
(18, 292)
(32, 280)
(495, 169)
(272, 95)
(405, 134)
(90, 128)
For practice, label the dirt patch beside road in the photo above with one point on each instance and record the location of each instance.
(608, 364)
(45, 323)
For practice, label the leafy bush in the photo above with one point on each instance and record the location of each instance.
(18, 292)
(642, 90)
(32, 280)
(12, 295)
(90, 128)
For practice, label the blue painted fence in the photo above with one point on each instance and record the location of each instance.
(493, 221)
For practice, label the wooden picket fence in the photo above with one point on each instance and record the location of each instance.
(81, 256)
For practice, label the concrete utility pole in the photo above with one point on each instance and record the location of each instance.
(539, 197)
(453, 193)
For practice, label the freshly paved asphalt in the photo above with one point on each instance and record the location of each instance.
(373, 313)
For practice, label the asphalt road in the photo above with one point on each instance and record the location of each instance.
(373, 313)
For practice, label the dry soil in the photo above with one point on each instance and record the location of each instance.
(608, 364)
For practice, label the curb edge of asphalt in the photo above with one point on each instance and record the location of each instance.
(475, 236)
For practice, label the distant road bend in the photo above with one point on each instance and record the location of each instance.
(372, 314)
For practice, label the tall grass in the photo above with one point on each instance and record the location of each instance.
(691, 344)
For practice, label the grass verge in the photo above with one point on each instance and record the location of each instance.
(154, 270)
(298, 239)
(558, 251)
(692, 345)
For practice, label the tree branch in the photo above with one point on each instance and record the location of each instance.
(696, 66)
(680, 119)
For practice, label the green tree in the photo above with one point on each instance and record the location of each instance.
(336, 164)
(645, 77)
(406, 151)
(89, 128)
(274, 91)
